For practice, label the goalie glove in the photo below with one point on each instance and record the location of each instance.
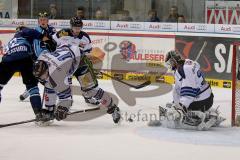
(181, 107)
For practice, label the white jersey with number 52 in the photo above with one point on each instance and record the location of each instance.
(190, 84)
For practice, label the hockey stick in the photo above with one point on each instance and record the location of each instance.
(128, 84)
(26, 121)
(17, 123)
(33, 120)
(201, 50)
(84, 110)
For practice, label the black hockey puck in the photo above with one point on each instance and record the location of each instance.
(154, 123)
(130, 119)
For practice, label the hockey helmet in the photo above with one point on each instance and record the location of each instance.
(40, 70)
(76, 22)
(173, 58)
(43, 19)
(20, 27)
(43, 15)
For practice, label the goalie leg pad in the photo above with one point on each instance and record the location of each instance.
(201, 121)
(215, 113)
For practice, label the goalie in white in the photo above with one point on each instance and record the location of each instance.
(192, 96)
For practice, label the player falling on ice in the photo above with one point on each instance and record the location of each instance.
(55, 68)
(192, 96)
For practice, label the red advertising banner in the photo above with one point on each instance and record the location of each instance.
(222, 12)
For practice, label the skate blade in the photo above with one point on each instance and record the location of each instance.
(44, 124)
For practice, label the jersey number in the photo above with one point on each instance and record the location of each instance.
(61, 57)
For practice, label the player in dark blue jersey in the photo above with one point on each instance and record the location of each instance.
(18, 57)
(38, 45)
(44, 27)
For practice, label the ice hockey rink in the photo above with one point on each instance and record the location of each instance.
(101, 139)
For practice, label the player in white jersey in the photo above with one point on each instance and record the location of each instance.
(192, 95)
(76, 36)
(55, 68)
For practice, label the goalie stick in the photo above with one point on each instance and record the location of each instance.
(33, 120)
(128, 84)
(201, 50)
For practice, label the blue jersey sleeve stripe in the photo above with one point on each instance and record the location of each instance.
(189, 90)
(49, 90)
(188, 94)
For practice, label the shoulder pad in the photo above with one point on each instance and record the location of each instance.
(84, 34)
(63, 32)
(39, 29)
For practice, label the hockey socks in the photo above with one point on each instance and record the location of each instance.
(35, 99)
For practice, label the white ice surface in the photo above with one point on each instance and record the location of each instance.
(101, 139)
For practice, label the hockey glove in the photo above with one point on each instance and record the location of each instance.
(61, 113)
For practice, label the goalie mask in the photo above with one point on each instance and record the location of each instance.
(173, 59)
(40, 70)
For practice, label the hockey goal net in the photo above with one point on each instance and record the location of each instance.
(236, 85)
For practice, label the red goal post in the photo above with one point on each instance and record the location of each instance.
(236, 85)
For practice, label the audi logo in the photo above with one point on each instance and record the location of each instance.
(201, 27)
(136, 26)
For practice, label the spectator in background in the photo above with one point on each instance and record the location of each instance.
(53, 13)
(181, 19)
(173, 15)
(152, 16)
(81, 12)
(99, 15)
(125, 16)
